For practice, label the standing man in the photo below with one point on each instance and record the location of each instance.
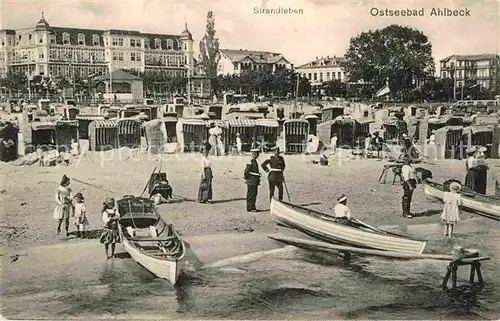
(252, 179)
(275, 178)
(409, 185)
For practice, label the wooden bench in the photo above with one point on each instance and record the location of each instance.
(475, 269)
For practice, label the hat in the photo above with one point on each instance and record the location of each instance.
(109, 201)
(341, 198)
(275, 148)
(404, 135)
(237, 134)
(64, 180)
(471, 150)
(79, 196)
(482, 149)
(433, 131)
(255, 150)
(454, 186)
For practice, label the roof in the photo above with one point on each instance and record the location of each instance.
(324, 62)
(471, 57)
(186, 34)
(88, 117)
(262, 57)
(118, 75)
(289, 121)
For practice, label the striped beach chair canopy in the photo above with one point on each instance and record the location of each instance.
(267, 122)
(242, 122)
(169, 119)
(72, 123)
(105, 123)
(43, 126)
(478, 129)
(128, 126)
(194, 121)
(89, 117)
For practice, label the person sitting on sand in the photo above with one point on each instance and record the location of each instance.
(342, 212)
(110, 234)
(451, 210)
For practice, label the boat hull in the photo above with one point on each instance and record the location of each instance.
(313, 225)
(485, 208)
(163, 269)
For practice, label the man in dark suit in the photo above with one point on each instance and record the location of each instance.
(276, 177)
(252, 179)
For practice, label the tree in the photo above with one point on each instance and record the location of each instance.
(209, 48)
(15, 81)
(335, 88)
(398, 54)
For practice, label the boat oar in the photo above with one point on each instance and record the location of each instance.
(147, 183)
(286, 189)
(92, 185)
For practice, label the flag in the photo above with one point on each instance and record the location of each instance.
(383, 91)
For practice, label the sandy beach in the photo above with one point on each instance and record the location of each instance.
(28, 192)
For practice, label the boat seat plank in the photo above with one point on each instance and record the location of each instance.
(151, 239)
(162, 253)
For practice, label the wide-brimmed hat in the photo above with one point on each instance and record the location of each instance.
(109, 201)
(454, 186)
(255, 150)
(341, 198)
(471, 150)
(481, 149)
(79, 196)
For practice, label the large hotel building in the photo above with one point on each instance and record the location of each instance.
(58, 51)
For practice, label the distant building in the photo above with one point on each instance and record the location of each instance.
(58, 51)
(323, 69)
(468, 70)
(234, 62)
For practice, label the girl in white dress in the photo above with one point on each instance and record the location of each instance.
(451, 210)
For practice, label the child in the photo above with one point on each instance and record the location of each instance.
(451, 211)
(74, 148)
(80, 215)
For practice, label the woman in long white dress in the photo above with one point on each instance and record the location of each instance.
(451, 210)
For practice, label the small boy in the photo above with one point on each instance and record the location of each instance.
(80, 215)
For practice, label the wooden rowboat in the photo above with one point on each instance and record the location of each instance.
(487, 206)
(150, 241)
(358, 234)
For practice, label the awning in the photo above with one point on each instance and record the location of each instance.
(89, 117)
(242, 122)
(345, 121)
(105, 123)
(311, 117)
(128, 126)
(73, 123)
(481, 129)
(267, 122)
(290, 121)
(43, 126)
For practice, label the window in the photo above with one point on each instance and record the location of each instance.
(460, 74)
(41, 39)
(170, 44)
(185, 47)
(315, 76)
(95, 40)
(135, 56)
(365, 114)
(321, 76)
(309, 76)
(157, 43)
(339, 75)
(328, 75)
(40, 55)
(117, 41)
(118, 56)
(147, 45)
(81, 39)
(66, 38)
(135, 43)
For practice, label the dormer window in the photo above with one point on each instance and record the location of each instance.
(65, 37)
(147, 44)
(52, 39)
(170, 44)
(95, 40)
(185, 46)
(81, 39)
(157, 43)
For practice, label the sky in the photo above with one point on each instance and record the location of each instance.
(324, 28)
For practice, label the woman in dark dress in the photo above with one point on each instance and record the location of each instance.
(205, 189)
(470, 167)
(482, 171)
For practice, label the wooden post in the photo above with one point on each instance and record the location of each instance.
(472, 273)
(446, 277)
(478, 271)
(454, 270)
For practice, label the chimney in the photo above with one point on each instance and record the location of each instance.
(316, 57)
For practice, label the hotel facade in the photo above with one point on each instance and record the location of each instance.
(57, 51)
(323, 69)
(469, 70)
